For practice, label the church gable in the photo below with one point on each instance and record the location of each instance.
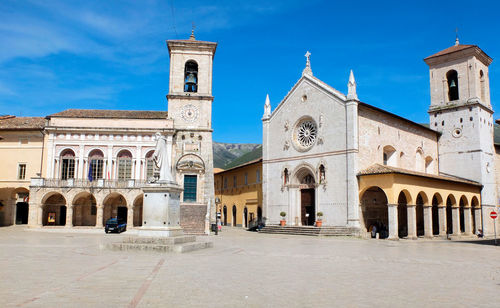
(310, 119)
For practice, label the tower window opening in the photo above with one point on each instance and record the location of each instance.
(461, 120)
(452, 78)
(483, 85)
(191, 77)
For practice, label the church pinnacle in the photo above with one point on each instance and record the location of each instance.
(351, 88)
(307, 70)
(267, 108)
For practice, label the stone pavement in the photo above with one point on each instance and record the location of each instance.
(57, 268)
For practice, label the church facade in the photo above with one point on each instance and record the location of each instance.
(363, 167)
(94, 163)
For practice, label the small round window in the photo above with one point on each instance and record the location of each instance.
(457, 132)
(305, 134)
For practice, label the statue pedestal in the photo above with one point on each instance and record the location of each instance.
(161, 210)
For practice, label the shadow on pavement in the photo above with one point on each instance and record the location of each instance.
(481, 242)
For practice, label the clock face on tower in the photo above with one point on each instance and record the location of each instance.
(189, 113)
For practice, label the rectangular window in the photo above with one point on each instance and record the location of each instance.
(190, 182)
(124, 169)
(21, 172)
(246, 178)
(258, 176)
(234, 181)
(149, 168)
(68, 168)
(225, 183)
(97, 167)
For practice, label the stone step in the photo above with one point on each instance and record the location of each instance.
(311, 230)
(178, 248)
(160, 240)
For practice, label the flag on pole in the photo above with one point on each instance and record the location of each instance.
(90, 171)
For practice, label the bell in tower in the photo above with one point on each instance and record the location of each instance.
(191, 77)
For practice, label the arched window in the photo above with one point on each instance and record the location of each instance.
(483, 85)
(124, 165)
(67, 164)
(191, 76)
(429, 166)
(149, 165)
(389, 156)
(419, 161)
(452, 78)
(96, 165)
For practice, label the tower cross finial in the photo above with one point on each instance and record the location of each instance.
(192, 38)
(456, 37)
(307, 70)
(308, 60)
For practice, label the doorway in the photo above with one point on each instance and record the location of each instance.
(307, 210)
(22, 209)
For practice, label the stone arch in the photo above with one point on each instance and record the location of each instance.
(389, 156)
(429, 165)
(94, 150)
(21, 195)
(302, 171)
(463, 203)
(54, 205)
(114, 205)
(451, 202)
(420, 202)
(190, 163)
(437, 201)
(138, 210)
(419, 160)
(475, 214)
(84, 207)
(374, 210)
(404, 199)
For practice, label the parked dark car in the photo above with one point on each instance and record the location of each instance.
(115, 225)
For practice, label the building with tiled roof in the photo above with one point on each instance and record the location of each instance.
(364, 167)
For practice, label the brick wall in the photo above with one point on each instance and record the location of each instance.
(193, 218)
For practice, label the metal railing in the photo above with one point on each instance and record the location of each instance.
(84, 183)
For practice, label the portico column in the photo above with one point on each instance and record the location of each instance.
(477, 216)
(393, 221)
(455, 216)
(442, 220)
(467, 222)
(39, 216)
(98, 219)
(69, 217)
(412, 220)
(428, 221)
(130, 217)
(12, 204)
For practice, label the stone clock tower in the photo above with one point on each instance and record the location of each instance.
(190, 107)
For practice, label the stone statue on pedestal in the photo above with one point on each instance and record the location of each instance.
(161, 159)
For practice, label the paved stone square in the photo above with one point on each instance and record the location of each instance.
(68, 268)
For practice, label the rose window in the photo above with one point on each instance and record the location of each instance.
(306, 133)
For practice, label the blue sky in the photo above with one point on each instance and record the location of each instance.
(56, 55)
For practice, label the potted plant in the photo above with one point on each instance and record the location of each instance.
(282, 221)
(319, 221)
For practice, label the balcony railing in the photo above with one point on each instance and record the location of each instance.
(99, 183)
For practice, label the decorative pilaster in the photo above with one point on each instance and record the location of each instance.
(412, 221)
(39, 216)
(428, 221)
(393, 221)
